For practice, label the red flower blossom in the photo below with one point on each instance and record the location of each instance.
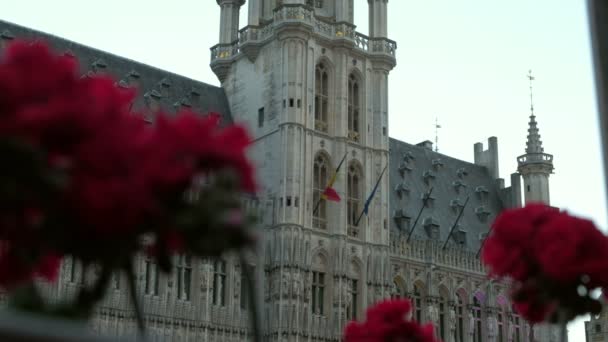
(16, 269)
(389, 321)
(550, 255)
(506, 250)
(570, 248)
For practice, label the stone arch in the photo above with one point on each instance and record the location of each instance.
(418, 296)
(320, 259)
(399, 287)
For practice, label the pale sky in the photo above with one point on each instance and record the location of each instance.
(463, 61)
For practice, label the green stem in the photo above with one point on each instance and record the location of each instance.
(133, 292)
(88, 298)
(253, 310)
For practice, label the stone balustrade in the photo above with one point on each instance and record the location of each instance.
(428, 251)
(297, 14)
(531, 158)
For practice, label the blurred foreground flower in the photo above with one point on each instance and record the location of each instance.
(555, 261)
(389, 321)
(85, 177)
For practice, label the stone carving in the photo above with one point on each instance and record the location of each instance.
(346, 290)
(492, 328)
(284, 283)
(510, 330)
(452, 323)
(297, 284)
(471, 325)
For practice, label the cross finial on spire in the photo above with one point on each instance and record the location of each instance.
(437, 127)
(531, 78)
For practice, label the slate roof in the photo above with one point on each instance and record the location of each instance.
(157, 88)
(414, 170)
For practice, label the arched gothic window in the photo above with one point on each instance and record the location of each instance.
(460, 317)
(320, 173)
(219, 282)
(321, 98)
(477, 320)
(354, 108)
(398, 289)
(354, 198)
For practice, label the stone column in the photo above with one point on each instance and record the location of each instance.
(377, 18)
(229, 20)
(255, 11)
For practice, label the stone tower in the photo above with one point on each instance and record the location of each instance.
(313, 92)
(535, 166)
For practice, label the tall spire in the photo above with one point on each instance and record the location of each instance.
(535, 166)
(534, 144)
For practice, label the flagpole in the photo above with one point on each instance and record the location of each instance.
(335, 175)
(456, 222)
(424, 201)
(484, 242)
(369, 199)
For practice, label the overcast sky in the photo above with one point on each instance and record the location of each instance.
(463, 61)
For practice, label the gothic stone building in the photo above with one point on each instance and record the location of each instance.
(312, 90)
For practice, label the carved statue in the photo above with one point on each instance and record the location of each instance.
(492, 328)
(346, 289)
(511, 330)
(471, 324)
(284, 283)
(297, 284)
(452, 323)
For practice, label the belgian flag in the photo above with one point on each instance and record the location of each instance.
(330, 194)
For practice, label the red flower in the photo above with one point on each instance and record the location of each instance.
(570, 248)
(16, 269)
(389, 321)
(550, 255)
(506, 249)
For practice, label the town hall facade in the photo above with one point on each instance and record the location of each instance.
(314, 93)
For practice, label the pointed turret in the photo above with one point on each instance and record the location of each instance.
(534, 144)
(535, 166)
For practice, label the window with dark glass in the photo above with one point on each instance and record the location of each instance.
(244, 288)
(500, 327)
(261, 117)
(442, 313)
(460, 312)
(184, 276)
(318, 293)
(477, 317)
(417, 304)
(219, 283)
(151, 278)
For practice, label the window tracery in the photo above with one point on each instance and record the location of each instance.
(321, 98)
(354, 107)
